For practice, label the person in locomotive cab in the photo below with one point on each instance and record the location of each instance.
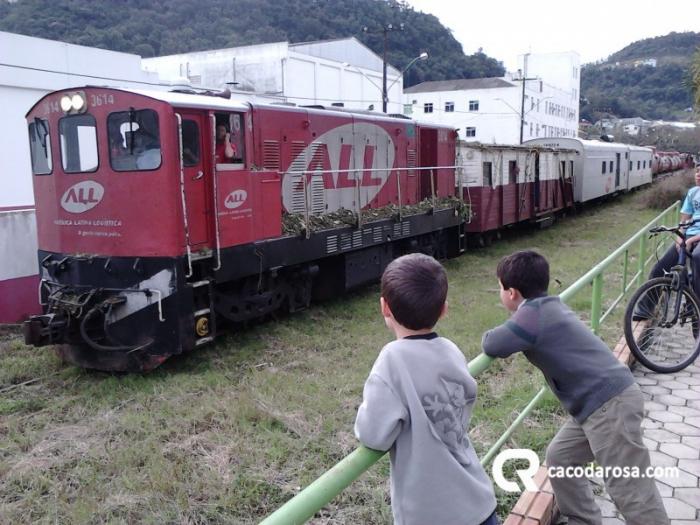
(225, 150)
(605, 403)
(417, 402)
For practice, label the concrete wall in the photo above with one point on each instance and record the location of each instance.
(18, 265)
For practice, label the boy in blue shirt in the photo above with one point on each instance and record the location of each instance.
(689, 210)
(417, 402)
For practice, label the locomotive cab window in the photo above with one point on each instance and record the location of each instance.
(78, 143)
(230, 143)
(40, 146)
(134, 140)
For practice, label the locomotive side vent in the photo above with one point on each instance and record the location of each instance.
(317, 197)
(377, 234)
(271, 155)
(397, 230)
(406, 227)
(357, 239)
(345, 241)
(298, 165)
(332, 244)
(411, 161)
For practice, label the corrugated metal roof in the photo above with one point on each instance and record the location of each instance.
(459, 84)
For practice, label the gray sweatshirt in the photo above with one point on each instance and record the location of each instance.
(416, 403)
(578, 366)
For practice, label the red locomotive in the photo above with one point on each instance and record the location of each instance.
(161, 214)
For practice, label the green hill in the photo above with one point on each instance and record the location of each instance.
(624, 86)
(162, 27)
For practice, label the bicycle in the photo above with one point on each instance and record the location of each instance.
(662, 317)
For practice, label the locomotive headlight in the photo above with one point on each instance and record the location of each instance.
(72, 103)
(77, 102)
(66, 103)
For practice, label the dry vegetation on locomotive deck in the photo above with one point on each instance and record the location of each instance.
(228, 433)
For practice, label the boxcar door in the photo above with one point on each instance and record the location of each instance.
(197, 164)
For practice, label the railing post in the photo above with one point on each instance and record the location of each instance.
(642, 259)
(596, 302)
(625, 269)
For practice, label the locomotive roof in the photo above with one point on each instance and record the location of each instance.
(203, 101)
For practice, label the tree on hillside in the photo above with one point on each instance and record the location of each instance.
(163, 27)
(695, 78)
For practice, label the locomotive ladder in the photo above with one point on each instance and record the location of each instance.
(208, 311)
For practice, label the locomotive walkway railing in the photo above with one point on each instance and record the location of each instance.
(320, 492)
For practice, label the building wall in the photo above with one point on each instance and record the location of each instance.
(551, 103)
(318, 73)
(557, 90)
(495, 121)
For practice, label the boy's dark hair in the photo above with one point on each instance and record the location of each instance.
(526, 271)
(415, 288)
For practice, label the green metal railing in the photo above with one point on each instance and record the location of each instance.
(320, 492)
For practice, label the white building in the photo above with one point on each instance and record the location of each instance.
(489, 109)
(334, 72)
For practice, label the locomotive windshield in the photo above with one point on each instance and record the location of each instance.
(40, 146)
(134, 140)
(78, 143)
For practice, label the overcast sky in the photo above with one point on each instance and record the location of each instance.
(594, 28)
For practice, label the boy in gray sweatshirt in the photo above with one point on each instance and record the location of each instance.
(417, 403)
(599, 392)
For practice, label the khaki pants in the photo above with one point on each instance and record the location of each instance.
(612, 436)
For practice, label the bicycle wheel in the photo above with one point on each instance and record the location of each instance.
(660, 338)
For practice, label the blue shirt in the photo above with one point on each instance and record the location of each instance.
(691, 206)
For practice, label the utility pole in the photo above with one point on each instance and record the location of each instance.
(385, 30)
(522, 102)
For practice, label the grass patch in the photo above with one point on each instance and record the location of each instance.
(228, 433)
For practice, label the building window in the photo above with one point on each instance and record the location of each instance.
(611, 166)
(531, 129)
(488, 174)
(604, 165)
(471, 132)
(473, 105)
(408, 109)
(630, 165)
(639, 164)
(449, 107)
(428, 107)
(541, 86)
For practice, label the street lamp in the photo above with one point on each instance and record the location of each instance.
(385, 30)
(423, 56)
(384, 88)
